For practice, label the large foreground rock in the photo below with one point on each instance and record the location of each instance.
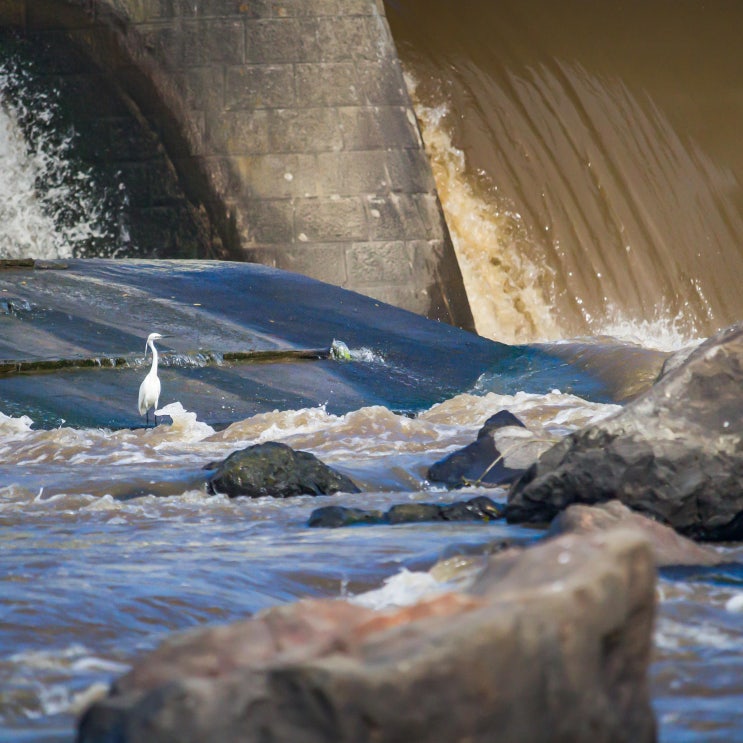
(676, 453)
(277, 470)
(669, 547)
(551, 644)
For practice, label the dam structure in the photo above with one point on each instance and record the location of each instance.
(268, 131)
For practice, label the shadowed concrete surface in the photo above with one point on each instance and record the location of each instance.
(287, 126)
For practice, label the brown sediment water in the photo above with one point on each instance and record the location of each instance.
(589, 160)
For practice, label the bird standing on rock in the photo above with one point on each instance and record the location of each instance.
(149, 390)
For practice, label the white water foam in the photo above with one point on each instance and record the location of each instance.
(735, 604)
(555, 411)
(75, 657)
(13, 426)
(673, 635)
(367, 355)
(48, 206)
(74, 661)
(185, 426)
(663, 332)
(402, 589)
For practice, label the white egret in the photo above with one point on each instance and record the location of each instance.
(149, 390)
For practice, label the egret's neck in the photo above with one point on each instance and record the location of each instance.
(153, 369)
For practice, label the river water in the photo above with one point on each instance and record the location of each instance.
(587, 159)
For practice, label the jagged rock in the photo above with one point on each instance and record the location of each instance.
(480, 508)
(552, 643)
(675, 453)
(276, 469)
(480, 461)
(669, 547)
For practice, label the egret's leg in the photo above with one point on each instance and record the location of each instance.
(155, 417)
(147, 418)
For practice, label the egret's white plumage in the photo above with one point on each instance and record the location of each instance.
(149, 390)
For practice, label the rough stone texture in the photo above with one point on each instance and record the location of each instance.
(669, 547)
(480, 508)
(480, 461)
(675, 453)
(551, 646)
(289, 125)
(277, 470)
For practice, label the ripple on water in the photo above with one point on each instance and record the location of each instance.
(697, 673)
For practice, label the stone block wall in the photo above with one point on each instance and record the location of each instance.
(290, 123)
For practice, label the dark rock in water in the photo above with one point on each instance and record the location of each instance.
(335, 516)
(406, 513)
(675, 453)
(480, 461)
(276, 469)
(552, 644)
(480, 508)
(669, 547)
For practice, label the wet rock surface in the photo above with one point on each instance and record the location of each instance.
(335, 516)
(277, 470)
(675, 453)
(551, 643)
(480, 508)
(479, 462)
(669, 547)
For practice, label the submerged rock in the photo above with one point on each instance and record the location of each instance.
(479, 462)
(675, 453)
(480, 508)
(669, 547)
(551, 644)
(277, 470)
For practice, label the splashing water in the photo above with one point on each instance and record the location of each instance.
(502, 282)
(402, 589)
(663, 332)
(50, 206)
(185, 426)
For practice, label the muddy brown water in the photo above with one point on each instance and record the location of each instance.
(588, 154)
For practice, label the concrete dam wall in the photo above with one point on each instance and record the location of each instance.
(277, 132)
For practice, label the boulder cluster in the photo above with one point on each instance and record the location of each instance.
(675, 454)
(545, 643)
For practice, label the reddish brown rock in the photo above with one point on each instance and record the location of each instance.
(669, 547)
(551, 644)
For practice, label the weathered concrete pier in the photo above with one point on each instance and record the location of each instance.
(282, 129)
